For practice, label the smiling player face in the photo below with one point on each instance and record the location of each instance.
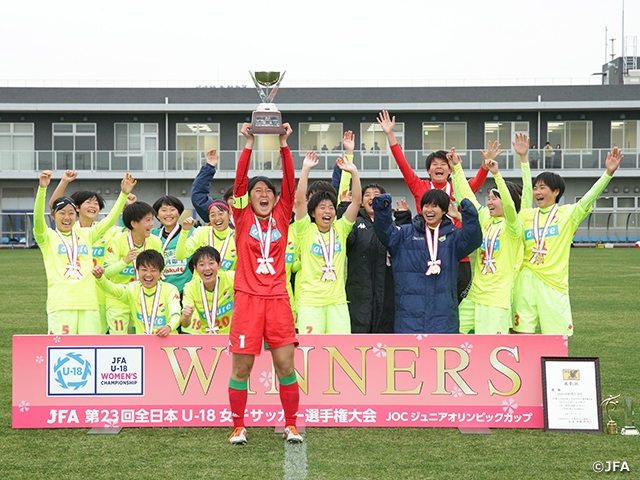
(144, 226)
(219, 219)
(262, 199)
(207, 268)
(367, 200)
(65, 218)
(324, 214)
(432, 214)
(89, 210)
(439, 170)
(148, 275)
(168, 216)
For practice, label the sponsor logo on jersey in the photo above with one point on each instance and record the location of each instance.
(82, 249)
(97, 251)
(552, 231)
(317, 250)
(288, 258)
(496, 248)
(275, 233)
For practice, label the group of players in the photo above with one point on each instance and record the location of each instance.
(352, 274)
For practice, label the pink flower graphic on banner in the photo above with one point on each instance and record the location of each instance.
(23, 406)
(39, 359)
(509, 406)
(379, 350)
(421, 336)
(565, 340)
(111, 423)
(265, 379)
(466, 346)
(456, 392)
(56, 339)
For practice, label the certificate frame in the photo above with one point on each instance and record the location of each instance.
(571, 395)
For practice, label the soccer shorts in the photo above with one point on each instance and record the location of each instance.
(327, 319)
(477, 318)
(74, 322)
(118, 319)
(534, 301)
(257, 318)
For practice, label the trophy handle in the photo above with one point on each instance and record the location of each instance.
(271, 90)
(274, 88)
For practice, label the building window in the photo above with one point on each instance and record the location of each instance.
(194, 140)
(625, 134)
(373, 139)
(504, 132)
(320, 136)
(74, 145)
(571, 135)
(444, 136)
(136, 147)
(265, 154)
(16, 146)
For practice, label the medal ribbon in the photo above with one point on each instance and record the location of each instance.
(432, 246)
(170, 236)
(539, 251)
(489, 261)
(210, 313)
(147, 320)
(225, 244)
(132, 245)
(73, 266)
(446, 189)
(328, 270)
(265, 266)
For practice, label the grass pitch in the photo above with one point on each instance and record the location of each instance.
(605, 294)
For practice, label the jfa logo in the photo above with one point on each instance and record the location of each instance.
(71, 372)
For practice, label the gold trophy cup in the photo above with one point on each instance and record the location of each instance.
(267, 120)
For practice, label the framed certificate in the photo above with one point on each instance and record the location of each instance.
(571, 394)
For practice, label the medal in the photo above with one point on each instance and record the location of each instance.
(149, 320)
(73, 265)
(539, 250)
(328, 252)
(489, 263)
(265, 266)
(210, 312)
(432, 246)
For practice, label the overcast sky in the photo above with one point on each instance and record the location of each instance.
(338, 42)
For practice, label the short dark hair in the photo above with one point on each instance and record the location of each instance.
(441, 154)
(228, 193)
(373, 185)
(318, 197)
(553, 181)
(206, 251)
(253, 181)
(515, 191)
(136, 212)
(320, 186)
(171, 201)
(82, 196)
(435, 197)
(150, 258)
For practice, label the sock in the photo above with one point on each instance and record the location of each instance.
(238, 394)
(290, 398)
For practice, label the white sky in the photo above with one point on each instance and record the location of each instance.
(339, 42)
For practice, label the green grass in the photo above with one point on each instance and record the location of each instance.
(605, 293)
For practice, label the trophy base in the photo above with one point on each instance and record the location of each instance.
(629, 431)
(266, 123)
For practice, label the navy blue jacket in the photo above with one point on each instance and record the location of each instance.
(200, 197)
(426, 303)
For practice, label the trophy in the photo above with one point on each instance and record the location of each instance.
(630, 428)
(611, 402)
(266, 120)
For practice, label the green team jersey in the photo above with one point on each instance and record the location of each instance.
(554, 271)
(168, 312)
(313, 291)
(493, 276)
(64, 292)
(224, 312)
(203, 236)
(176, 272)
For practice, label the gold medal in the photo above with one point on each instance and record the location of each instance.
(263, 270)
(435, 269)
(329, 276)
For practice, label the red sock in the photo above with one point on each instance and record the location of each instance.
(238, 402)
(290, 398)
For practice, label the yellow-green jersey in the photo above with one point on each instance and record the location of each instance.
(168, 304)
(99, 249)
(68, 289)
(224, 308)
(116, 269)
(313, 290)
(501, 250)
(553, 269)
(224, 242)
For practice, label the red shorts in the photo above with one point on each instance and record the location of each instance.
(258, 318)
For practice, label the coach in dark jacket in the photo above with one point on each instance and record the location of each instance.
(427, 303)
(369, 285)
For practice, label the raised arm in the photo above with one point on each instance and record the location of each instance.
(288, 191)
(612, 163)
(300, 204)
(471, 234)
(241, 183)
(39, 222)
(460, 185)
(349, 143)
(185, 247)
(201, 186)
(521, 147)
(356, 189)
(110, 288)
(510, 214)
(126, 187)
(68, 177)
(386, 231)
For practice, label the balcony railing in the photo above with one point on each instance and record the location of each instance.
(190, 161)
